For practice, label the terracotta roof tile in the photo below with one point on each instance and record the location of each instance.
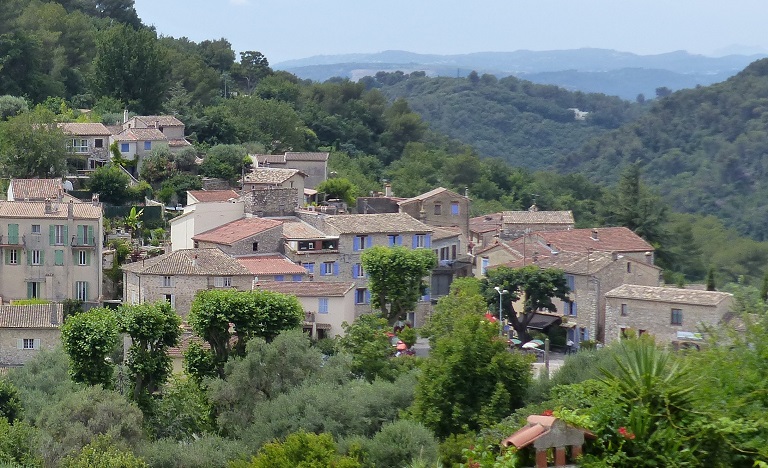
(665, 294)
(614, 239)
(537, 217)
(163, 120)
(140, 134)
(296, 229)
(234, 231)
(270, 265)
(193, 262)
(426, 195)
(259, 160)
(31, 316)
(309, 288)
(36, 189)
(212, 195)
(376, 223)
(270, 175)
(485, 223)
(445, 232)
(178, 142)
(85, 128)
(36, 209)
(298, 156)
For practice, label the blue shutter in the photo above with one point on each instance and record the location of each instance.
(414, 241)
(399, 239)
(428, 240)
(392, 240)
(356, 246)
(296, 278)
(354, 270)
(335, 269)
(322, 305)
(367, 296)
(279, 278)
(573, 309)
(368, 242)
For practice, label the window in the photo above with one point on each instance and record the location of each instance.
(322, 305)
(222, 282)
(455, 208)
(329, 245)
(124, 147)
(34, 290)
(362, 242)
(361, 296)
(79, 145)
(438, 209)
(329, 268)
(255, 246)
(570, 280)
(12, 257)
(570, 308)
(310, 267)
(57, 234)
(677, 317)
(629, 267)
(35, 257)
(357, 270)
(296, 278)
(484, 263)
(584, 334)
(28, 343)
(624, 311)
(147, 145)
(35, 229)
(394, 240)
(98, 143)
(167, 281)
(419, 241)
(83, 258)
(58, 257)
(84, 235)
(279, 278)
(81, 290)
(170, 299)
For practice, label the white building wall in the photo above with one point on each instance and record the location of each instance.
(202, 217)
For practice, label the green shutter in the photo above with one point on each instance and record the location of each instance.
(90, 236)
(7, 255)
(29, 257)
(80, 232)
(87, 258)
(13, 233)
(29, 291)
(52, 234)
(58, 257)
(42, 257)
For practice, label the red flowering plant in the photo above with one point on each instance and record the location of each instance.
(625, 433)
(548, 412)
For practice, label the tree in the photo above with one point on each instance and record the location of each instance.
(174, 190)
(103, 452)
(10, 406)
(300, 449)
(253, 67)
(366, 340)
(153, 328)
(158, 166)
(710, 280)
(339, 188)
(11, 106)
(535, 286)
(32, 145)
(248, 314)
(129, 66)
(225, 162)
(396, 278)
(111, 183)
(89, 338)
(463, 298)
(470, 380)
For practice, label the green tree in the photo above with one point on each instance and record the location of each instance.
(300, 450)
(470, 380)
(402, 443)
(396, 278)
(88, 339)
(339, 188)
(10, 406)
(103, 452)
(153, 328)
(130, 66)
(32, 145)
(247, 314)
(253, 67)
(463, 298)
(367, 341)
(18, 444)
(225, 162)
(158, 166)
(11, 106)
(710, 280)
(536, 286)
(111, 183)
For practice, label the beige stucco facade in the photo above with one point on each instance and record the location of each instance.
(201, 217)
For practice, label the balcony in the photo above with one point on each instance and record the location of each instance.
(11, 241)
(80, 242)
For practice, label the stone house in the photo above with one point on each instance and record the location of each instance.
(517, 223)
(201, 217)
(177, 276)
(89, 141)
(618, 240)
(451, 261)
(245, 236)
(267, 268)
(51, 250)
(27, 329)
(327, 305)
(313, 165)
(662, 312)
(171, 128)
(261, 178)
(135, 144)
(483, 231)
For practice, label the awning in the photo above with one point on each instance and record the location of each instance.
(542, 321)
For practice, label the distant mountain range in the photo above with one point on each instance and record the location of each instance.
(606, 71)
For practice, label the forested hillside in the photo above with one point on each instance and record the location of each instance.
(526, 124)
(706, 150)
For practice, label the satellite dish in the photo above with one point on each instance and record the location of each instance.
(68, 185)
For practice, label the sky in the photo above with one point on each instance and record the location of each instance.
(292, 29)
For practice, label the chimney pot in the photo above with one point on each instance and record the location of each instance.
(594, 234)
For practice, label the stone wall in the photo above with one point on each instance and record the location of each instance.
(11, 353)
(269, 241)
(271, 202)
(215, 184)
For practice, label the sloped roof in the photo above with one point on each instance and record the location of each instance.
(445, 232)
(85, 128)
(537, 217)
(36, 209)
(485, 223)
(229, 233)
(299, 156)
(270, 175)
(140, 134)
(212, 195)
(274, 264)
(309, 288)
(672, 295)
(192, 262)
(163, 120)
(614, 239)
(261, 159)
(36, 189)
(427, 195)
(376, 223)
(31, 316)
(296, 229)
(178, 142)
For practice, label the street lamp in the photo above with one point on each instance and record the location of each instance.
(501, 323)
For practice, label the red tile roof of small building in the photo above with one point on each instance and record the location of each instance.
(234, 231)
(485, 223)
(309, 288)
(537, 217)
(36, 189)
(212, 195)
(140, 134)
(162, 120)
(191, 262)
(270, 265)
(296, 229)
(36, 209)
(85, 128)
(614, 239)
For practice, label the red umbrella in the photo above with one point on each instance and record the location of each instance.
(401, 346)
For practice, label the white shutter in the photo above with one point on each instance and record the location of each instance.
(20, 343)
(37, 343)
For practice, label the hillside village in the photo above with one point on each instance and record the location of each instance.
(271, 233)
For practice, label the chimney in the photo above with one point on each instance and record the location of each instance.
(594, 234)
(649, 258)
(387, 189)
(615, 256)
(125, 115)
(48, 206)
(70, 210)
(534, 208)
(194, 260)
(95, 199)
(466, 192)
